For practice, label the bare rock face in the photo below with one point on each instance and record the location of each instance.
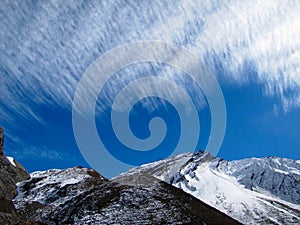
(9, 176)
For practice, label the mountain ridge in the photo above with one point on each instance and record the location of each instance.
(190, 188)
(227, 185)
(220, 184)
(72, 196)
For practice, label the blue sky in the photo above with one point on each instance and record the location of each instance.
(252, 48)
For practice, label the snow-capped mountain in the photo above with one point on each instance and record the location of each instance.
(253, 191)
(82, 196)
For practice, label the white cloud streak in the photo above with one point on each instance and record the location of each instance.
(34, 153)
(46, 47)
(21, 150)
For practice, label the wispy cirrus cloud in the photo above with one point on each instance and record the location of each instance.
(266, 33)
(23, 151)
(47, 46)
(34, 153)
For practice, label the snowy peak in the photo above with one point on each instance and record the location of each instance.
(197, 159)
(202, 156)
(253, 191)
(162, 169)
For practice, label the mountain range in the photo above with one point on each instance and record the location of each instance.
(191, 188)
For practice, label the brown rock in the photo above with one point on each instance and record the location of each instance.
(9, 176)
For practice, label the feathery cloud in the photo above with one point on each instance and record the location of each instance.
(46, 47)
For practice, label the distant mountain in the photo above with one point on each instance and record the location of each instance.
(253, 191)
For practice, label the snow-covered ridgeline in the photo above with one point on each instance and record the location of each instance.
(252, 190)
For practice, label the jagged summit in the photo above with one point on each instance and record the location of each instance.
(202, 156)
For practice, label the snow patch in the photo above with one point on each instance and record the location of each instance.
(11, 160)
(281, 171)
(70, 181)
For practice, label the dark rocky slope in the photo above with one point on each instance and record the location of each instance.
(82, 196)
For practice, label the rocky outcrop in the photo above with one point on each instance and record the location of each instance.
(9, 176)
